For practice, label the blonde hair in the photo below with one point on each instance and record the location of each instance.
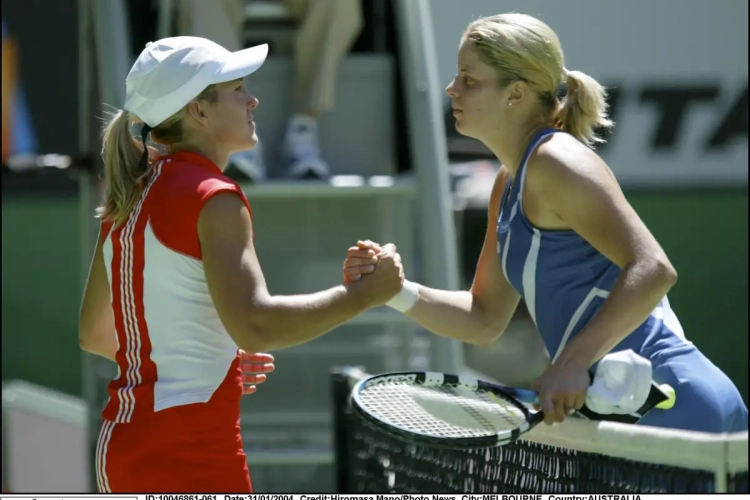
(521, 47)
(124, 178)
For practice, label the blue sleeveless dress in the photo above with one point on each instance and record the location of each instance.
(564, 281)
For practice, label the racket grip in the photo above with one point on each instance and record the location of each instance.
(527, 396)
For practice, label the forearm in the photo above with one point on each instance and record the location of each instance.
(635, 295)
(452, 314)
(96, 331)
(281, 321)
(104, 345)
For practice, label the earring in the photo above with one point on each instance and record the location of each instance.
(510, 104)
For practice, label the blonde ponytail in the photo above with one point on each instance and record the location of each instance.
(584, 110)
(125, 179)
(122, 173)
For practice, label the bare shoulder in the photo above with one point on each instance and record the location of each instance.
(563, 161)
(224, 214)
(224, 203)
(501, 181)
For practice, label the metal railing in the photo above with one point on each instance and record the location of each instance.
(430, 160)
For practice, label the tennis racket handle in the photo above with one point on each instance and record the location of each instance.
(532, 397)
(526, 396)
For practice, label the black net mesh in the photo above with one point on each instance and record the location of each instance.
(369, 461)
(737, 483)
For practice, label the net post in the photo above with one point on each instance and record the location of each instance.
(721, 472)
(720, 479)
(340, 398)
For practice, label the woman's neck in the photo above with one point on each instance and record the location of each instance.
(208, 149)
(510, 145)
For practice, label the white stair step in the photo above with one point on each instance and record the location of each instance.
(340, 186)
(262, 10)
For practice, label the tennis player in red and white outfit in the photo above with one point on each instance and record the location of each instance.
(175, 294)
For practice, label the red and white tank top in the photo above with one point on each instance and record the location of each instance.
(173, 349)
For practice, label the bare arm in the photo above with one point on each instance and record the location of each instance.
(96, 321)
(481, 315)
(582, 191)
(256, 320)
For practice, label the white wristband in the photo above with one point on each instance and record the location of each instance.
(406, 298)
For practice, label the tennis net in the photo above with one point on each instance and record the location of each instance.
(576, 456)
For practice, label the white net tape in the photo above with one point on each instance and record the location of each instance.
(721, 454)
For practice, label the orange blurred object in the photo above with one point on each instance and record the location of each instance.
(10, 81)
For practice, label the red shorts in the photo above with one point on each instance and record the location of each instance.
(185, 449)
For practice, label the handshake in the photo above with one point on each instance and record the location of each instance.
(376, 274)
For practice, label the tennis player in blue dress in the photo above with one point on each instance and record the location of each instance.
(561, 235)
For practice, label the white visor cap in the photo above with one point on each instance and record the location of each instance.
(171, 72)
